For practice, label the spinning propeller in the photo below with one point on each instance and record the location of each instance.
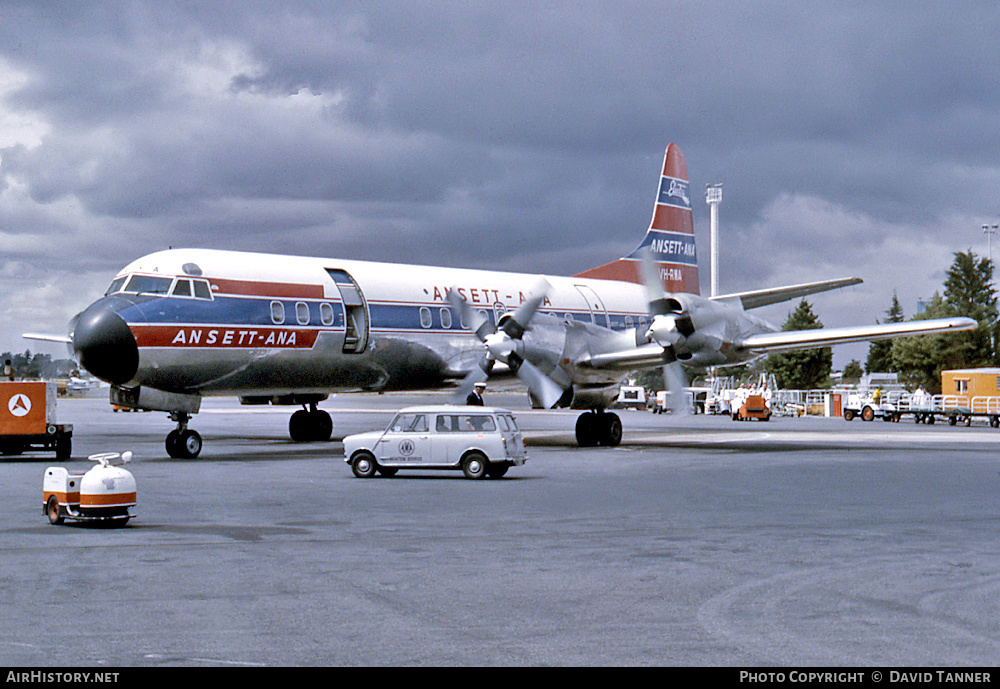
(670, 327)
(505, 343)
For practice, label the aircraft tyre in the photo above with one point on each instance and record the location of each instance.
(611, 426)
(598, 428)
(363, 464)
(585, 433)
(474, 466)
(184, 444)
(308, 426)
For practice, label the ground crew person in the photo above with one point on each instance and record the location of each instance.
(475, 398)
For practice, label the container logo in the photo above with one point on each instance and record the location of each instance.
(19, 405)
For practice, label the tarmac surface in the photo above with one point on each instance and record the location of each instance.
(697, 542)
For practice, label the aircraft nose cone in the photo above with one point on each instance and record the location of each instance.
(104, 344)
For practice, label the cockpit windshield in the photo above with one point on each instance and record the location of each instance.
(148, 284)
(157, 284)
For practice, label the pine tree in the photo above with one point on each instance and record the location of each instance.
(968, 292)
(806, 369)
(880, 352)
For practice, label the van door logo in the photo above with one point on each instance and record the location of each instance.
(19, 405)
(406, 448)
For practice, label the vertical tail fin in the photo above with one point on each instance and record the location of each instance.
(670, 236)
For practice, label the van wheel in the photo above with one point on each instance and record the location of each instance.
(52, 510)
(363, 464)
(474, 466)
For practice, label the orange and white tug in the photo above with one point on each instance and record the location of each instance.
(105, 493)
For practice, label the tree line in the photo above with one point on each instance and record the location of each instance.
(28, 366)
(967, 291)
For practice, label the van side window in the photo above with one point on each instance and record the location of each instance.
(410, 423)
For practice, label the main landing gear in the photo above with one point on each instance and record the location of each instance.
(183, 442)
(310, 425)
(598, 427)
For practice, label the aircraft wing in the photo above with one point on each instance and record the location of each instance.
(785, 341)
(775, 295)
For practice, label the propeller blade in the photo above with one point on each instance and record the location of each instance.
(655, 294)
(478, 374)
(473, 318)
(517, 323)
(675, 380)
(544, 389)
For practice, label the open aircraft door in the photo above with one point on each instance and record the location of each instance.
(598, 312)
(355, 311)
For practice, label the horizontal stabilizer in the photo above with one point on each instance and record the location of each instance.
(64, 339)
(775, 295)
(823, 337)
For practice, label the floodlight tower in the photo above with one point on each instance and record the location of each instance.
(713, 197)
(989, 231)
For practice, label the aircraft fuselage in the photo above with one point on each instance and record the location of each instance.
(227, 323)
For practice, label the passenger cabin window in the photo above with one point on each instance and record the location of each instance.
(277, 312)
(326, 314)
(445, 318)
(302, 313)
(425, 317)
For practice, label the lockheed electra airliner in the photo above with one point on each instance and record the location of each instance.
(182, 324)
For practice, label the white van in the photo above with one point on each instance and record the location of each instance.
(481, 441)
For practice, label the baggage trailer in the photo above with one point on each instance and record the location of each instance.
(928, 409)
(28, 419)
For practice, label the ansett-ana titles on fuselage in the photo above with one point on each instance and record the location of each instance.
(223, 323)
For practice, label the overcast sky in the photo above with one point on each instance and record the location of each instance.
(852, 139)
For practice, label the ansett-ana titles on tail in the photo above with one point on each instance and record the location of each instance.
(182, 324)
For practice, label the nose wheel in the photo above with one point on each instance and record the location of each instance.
(183, 442)
(310, 425)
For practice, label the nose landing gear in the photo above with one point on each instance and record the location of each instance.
(183, 442)
(310, 425)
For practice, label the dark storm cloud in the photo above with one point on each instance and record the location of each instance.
(504, 135)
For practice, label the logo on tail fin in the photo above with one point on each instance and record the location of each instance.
(674, 192)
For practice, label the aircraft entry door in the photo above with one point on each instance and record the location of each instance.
(598, 313)
(355, 311)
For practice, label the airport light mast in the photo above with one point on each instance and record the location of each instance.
(989, 231)
(713, 197)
